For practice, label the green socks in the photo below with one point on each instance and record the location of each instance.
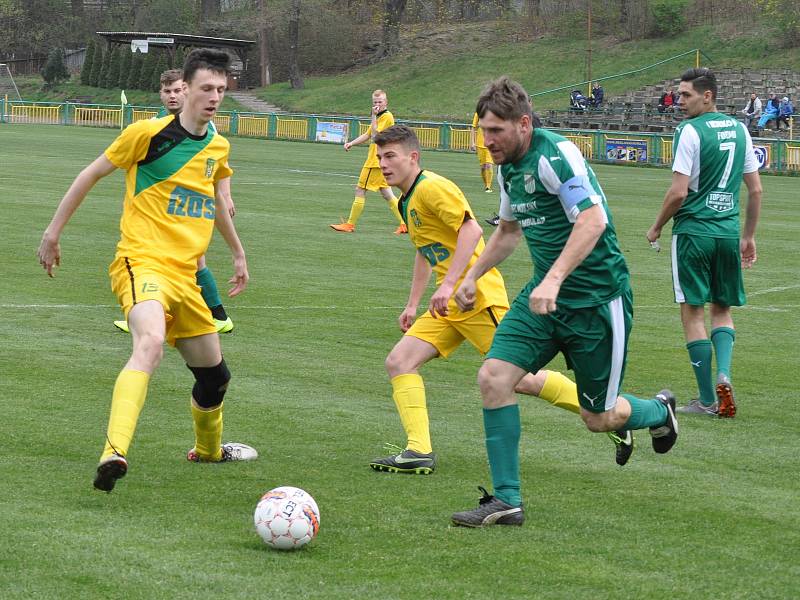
(645, 413)
(502, 427)
(723, 338)
(700, 357)
(208, 287)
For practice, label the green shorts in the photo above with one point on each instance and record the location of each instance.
(707, 269)
(594, 342)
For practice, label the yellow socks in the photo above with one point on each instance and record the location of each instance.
(356, 210)
(208, 432)
(560, 391)
(487, 178)
(409, 396)
(392, 202)
(127, 400)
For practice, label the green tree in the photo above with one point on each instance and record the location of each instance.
(146, 75)
(668, 17)
(111, 76)
(54, 69)
(97, 66)
(124, 67)
(785, 14)
(136, 69)
(180, 57)
(88, 61)
(161, 66)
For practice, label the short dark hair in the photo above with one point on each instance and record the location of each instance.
(206, 58)
(398, 134)
(505, 98)
(171, 76)
(702, 80)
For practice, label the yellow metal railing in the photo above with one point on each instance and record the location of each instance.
(292, 129)
(363, 128)
(253, 126)
(792, 157)
(584, 144)
(428, 136)
(143, 115)
(222, 123)
(98, 117)
(666, 151)
(23, 113)
(459, 138)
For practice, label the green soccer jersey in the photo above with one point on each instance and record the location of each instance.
(544, 192)
(714, 151)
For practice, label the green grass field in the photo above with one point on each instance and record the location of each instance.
(718, 517)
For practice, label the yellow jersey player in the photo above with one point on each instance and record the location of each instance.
(448, 239)
(172, 93)
(477, 145)
(168, 216)
(371, 177)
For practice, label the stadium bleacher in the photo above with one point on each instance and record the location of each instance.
(638, 110)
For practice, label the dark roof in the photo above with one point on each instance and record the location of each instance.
(125, 37)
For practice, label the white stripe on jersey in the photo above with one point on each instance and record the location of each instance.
(574, 157)
(750, 160)
(687, 156)
(505, 211)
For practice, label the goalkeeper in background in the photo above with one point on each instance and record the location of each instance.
(172, 94)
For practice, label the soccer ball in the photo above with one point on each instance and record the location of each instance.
(286, 518)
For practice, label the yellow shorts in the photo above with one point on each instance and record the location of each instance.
(446, 335)
(372, 179)
(187, 314)
(484, 156)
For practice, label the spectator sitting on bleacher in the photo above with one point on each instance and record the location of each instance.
(668, 101)
(752, 112)
(577, 101)
(596, 99)
(785, 110)
(770, 113)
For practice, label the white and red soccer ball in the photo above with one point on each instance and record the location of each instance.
(286, 518)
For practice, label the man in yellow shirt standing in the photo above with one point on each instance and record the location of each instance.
(371, 178)
(172, 165)
(477, 145)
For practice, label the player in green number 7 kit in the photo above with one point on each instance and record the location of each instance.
(713, 153)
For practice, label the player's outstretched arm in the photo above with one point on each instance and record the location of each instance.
(419, 281)
(673, 200)
(224, 224)
(49, 252)
(468, 237)
(499, 247)
(747, 244)
(588, 228)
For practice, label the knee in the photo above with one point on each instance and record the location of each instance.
(490, 381)
(397, 364)
(210, 385)
(594, 421)
(149, 347)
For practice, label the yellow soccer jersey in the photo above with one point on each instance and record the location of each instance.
(169, 208)
(479, 143)
(384, 120)
(434, 210)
